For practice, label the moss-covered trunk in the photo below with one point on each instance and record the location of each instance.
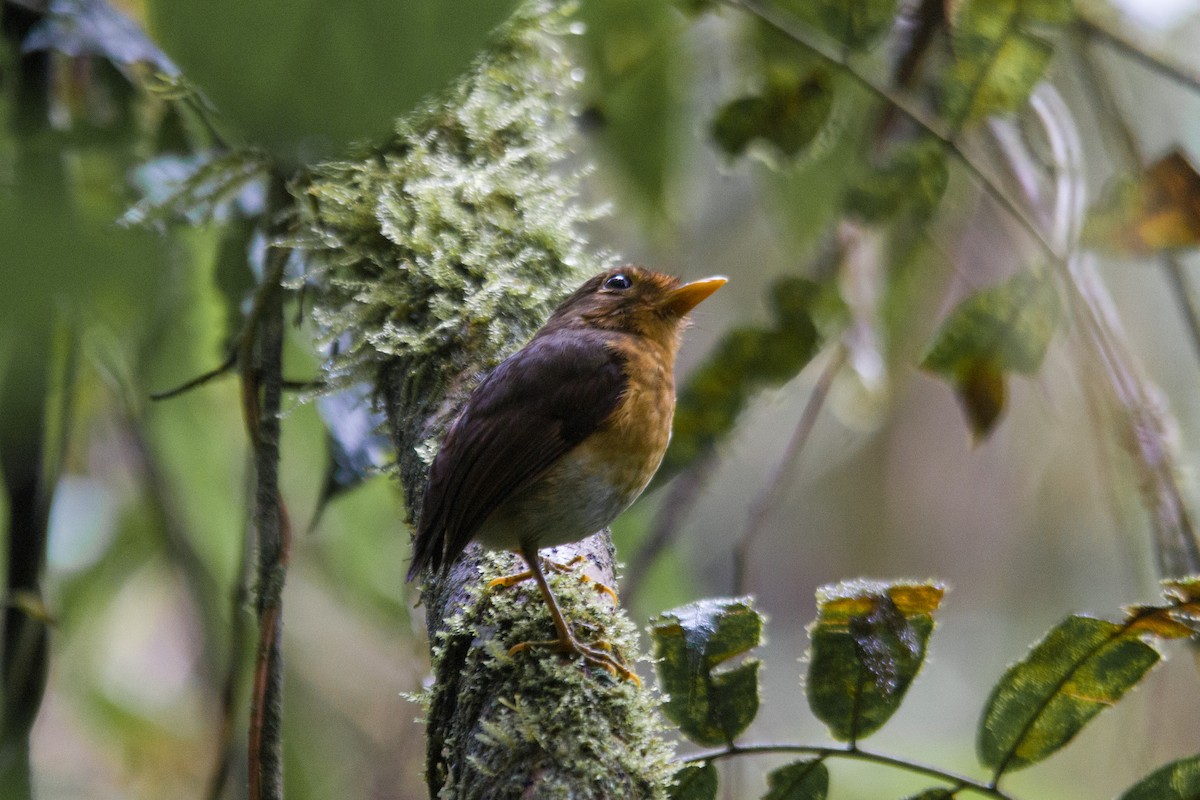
(433, 257)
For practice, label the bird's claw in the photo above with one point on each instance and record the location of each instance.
(601, 655)
(508, 581)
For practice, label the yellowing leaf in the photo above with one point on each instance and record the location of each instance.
(1157, 210)
(1081, 667)
(1000, 51)
(867, 645)
(1001, 329)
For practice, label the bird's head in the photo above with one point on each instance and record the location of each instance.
(636, 300)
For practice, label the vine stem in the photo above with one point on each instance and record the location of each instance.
(261, 395)
(770, 496)
(791, 28)
(959, 782)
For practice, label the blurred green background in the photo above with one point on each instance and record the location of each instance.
(147, 501)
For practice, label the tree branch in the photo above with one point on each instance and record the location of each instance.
(958, 782)
(272, 528)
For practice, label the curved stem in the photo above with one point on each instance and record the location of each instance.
(770, 497)
(855, 753)
(791, 28)
(1120, 42)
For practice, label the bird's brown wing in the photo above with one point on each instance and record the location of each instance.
(525, 415)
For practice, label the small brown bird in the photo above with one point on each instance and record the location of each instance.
(565, 434)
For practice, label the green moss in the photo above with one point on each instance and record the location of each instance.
(537, 714)
(450, 243)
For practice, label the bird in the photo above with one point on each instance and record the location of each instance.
(563, 435)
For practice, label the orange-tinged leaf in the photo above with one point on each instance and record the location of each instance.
(1000, 329)
(981, 393)
(917, 598)
(1157, 210)
(1158, 622)
(1184, 590)
(868, 644)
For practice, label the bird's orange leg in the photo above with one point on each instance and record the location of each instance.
(507, 581)
(566, 641)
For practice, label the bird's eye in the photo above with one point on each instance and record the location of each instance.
(618, 281)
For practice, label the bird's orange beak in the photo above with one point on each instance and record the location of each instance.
(682, 299)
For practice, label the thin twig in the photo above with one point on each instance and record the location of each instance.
(238, 597)
(1147, 437)
(1097, 30)
(955, 780)
(769, 497)
(225, 366)
(270, 523)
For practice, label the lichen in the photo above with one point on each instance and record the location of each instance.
(573, 730)
(450, 242)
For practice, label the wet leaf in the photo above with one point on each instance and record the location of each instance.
(1001, 49)
(911, 183)
(803, 780)
(1179, 780)
(694, 782)
(1081, 667)
(1001, 329)
(1184, 590)
(710, 707)
(788, 114)
(1159, 209)
(868, 644)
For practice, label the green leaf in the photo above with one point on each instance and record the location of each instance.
(803, 780)
(1080, 668)
(788, 114)
(867, 645)
(1004, 328)
(1000, 52)
(856, 23)
(300, 76)
(694, 782)
(1179, 780)
(690, 642)
(933, 794)
(911, 182)
(635, 90)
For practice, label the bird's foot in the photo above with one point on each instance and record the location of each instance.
(508, 581)
(600, 655)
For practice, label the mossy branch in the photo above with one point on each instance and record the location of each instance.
(432, 257)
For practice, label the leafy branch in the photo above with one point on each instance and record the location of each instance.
(869, 641)
(854, 752)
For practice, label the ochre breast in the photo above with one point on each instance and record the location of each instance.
(629, 445)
